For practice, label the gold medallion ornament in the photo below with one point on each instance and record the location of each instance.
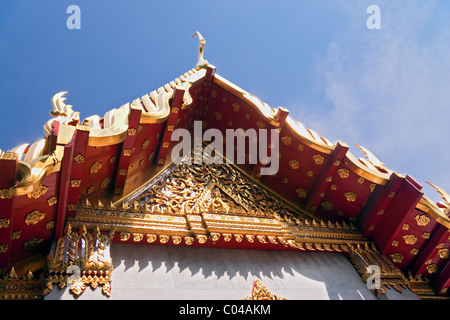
(75, 183)
(52, 200)
(3, 248)
(432, 269)
(326, 205)
(343, 173)
(79, 158)
(4, 223)
(422, 220)
(318, 159)
(294, 164)
(34, 217)
(444, 253)
(410, 239)
(397, 257)
(301, 192)
(286, 140)
(95, 167)
(5, 194)
(350, 196)
(105, 183)
(145, 144)
(151, 238)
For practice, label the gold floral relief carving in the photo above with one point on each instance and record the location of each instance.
(145, 144)
(4, 223)
(5, 194)
(151, 238)
(432, 269)
(95, 167)
(301, 192)
(105, 183)
(163, 238)
(15, 234)
(90, 189)
(131, 131)
(3, 248)
(410, 239)
(343, 173)
(50, 224)
(79, 158)
(444, 253)
(422, 220)
(397, 257)
(201, 238)
(34, 217)
(75, 183)
(318, 159)
(218, 115)
(294, 164)
(188, 240)
(124, 236)
(39, 191)
(176, 239)
(350, 196)
(326, 205)
(52, 201)
(286, 140)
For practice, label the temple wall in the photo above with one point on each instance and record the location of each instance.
(171, 272)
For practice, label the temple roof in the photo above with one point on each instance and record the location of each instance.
(111, 161)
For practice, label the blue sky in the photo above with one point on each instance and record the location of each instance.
(387, 89)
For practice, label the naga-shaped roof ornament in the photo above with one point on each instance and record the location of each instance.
(62, 112)
(201, 63)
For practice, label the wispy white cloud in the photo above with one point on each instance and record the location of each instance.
(389, 90)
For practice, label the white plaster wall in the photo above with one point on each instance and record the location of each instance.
(173, 272)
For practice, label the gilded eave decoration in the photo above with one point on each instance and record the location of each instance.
(200, 202)
(87, 253)
(260, 292)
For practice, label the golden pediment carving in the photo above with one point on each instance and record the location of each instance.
(215, 189)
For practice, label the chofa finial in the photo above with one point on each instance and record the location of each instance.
(201, 63)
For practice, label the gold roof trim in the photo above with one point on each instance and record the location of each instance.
(303, 133)
(307, 136)
(433, 211)
(263, 108)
